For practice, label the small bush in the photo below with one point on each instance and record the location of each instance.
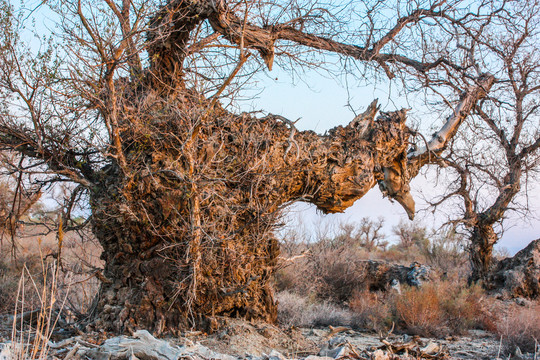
(8, 287)
(521, 328)
(441, 308)
(371, 310)
(419, 310)
(296, 310)
(10, 273)
(465, 308)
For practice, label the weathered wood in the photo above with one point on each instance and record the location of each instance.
(170, 263)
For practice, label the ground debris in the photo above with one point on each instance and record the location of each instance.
(415, 347)
(142, 345)
(259, 341)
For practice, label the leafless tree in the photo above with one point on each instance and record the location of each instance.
(492, 160)
(410, 235)
(184, 195)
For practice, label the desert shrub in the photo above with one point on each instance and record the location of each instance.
(8, 287)
(331, 268)
(411, 235)
(465, 308)
(418, 310)
(296, 275)
(441, 308)
(445, 252)
(291, 309)
(521, 328)
(74, 280)
(371, 310)
(340, 274)
(297, 310)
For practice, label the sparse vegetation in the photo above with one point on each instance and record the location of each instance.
(317, 289)
(10, 274)
(440, 309)
(333, 271)
(298, 310)
(520, 327)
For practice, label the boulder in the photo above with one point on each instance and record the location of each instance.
(381, 275)
(518, 276)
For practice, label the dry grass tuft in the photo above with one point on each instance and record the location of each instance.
(442, 308)
(372, 310)
(296, 310)
(33, 325)
(520, 327)
(10, 272)
(419, 310)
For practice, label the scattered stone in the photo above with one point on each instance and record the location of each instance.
(143, 345)
(318, 332)
(522, 302)
(431, 348)
(348, 345)
(337, 348)
(396, 286)
(274, 355)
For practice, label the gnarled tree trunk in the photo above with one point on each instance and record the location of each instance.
(187, 233)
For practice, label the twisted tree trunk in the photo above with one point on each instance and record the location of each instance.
(483, 239)
(187, 233)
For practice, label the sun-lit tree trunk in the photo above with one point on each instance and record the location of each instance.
(177, 257)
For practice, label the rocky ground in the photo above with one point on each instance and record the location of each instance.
(243, 340)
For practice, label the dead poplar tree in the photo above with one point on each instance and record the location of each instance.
(184, 194)
(494, 159)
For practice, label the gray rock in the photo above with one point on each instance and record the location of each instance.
(337, 347)
(518, 276)
(418, 274)
(274, 355)
(318, 332)
(396, 286)
(381, 276)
